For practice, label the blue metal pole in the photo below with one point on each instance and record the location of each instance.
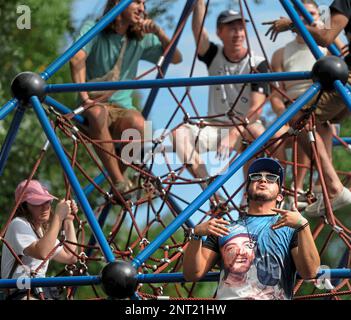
(72, 179)
(338, 143)
(81, 42)
(312, 44)
(173, 277)
(142, 278)
(234, 167)
(189, 223)
(344, 92)
(153, 94)
(90, 187)
(62, 108)
(332, 48)
(51, 282)
(214, 276)
(178, 82)
(8, 108)
(101, 220)
(11, 136)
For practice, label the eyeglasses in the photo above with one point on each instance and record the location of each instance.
(269, 177)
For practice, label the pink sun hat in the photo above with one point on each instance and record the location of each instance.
(35, 193)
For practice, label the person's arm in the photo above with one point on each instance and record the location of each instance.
(198, 260)
(340, 44)
(78, 72)
(277, 102)
(198, 17)
(150, 26)
(324, 37)
(305, 255)
(257, 100)
(40, 249)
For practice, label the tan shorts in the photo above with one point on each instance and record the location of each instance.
(115, 113)
(330, 107)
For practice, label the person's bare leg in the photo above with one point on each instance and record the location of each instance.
(333, 183)
(131, 125)
(326, 132)
(188, 154)
(98, 129)
(279, 152)
(302, 158)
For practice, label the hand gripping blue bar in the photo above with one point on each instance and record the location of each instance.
(62, 108)
(332, 48)
(312, 44)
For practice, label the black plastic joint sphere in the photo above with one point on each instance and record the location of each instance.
(119, 279)
(28, 84)
(329, 69)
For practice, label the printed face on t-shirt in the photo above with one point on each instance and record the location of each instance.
(238, 254)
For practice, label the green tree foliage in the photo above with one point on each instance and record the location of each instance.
(30, 50)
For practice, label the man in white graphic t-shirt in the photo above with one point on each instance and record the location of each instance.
(229, 105)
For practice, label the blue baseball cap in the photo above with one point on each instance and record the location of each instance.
(268, 165)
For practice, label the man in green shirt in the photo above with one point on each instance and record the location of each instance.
(112, 56)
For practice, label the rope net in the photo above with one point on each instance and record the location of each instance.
(156, 199)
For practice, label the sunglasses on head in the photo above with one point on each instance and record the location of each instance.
(269, 177)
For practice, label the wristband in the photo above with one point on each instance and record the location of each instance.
(303, 227)
(190, 234)
(292, 27)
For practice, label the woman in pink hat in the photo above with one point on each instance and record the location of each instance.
(33, 233)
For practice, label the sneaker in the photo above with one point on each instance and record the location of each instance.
(123, 187)
(317, 208)
(302, 200)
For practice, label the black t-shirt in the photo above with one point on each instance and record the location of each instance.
(343, 7)
(211, 53)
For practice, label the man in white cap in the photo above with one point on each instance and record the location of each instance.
(228, 104)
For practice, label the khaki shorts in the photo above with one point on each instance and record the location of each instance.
(116, 114)
(208, 138)
(330, 106)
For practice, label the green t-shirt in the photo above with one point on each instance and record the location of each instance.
(103, 53)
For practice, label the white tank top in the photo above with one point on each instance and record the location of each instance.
(222, 97)
(298, 57)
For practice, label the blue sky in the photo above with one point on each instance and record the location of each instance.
(164, 104)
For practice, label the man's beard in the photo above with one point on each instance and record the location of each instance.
(260, 197)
